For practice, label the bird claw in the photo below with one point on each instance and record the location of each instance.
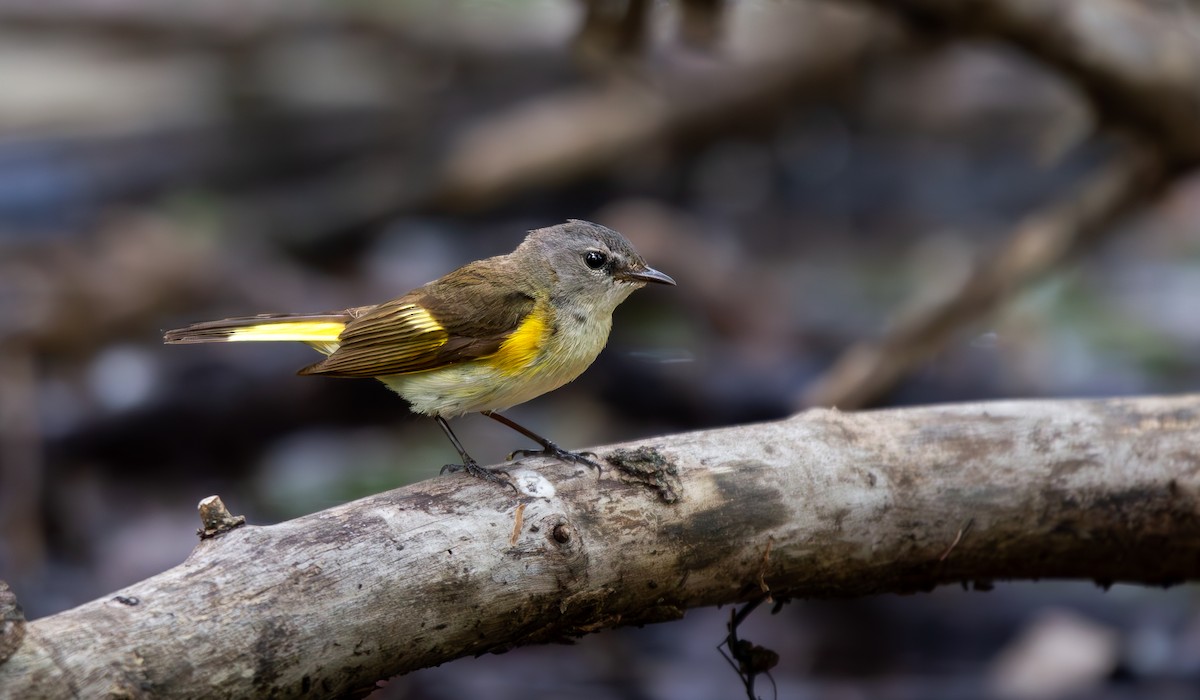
(472, 467)
(552, 450)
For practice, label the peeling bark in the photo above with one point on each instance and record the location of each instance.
(848, 504)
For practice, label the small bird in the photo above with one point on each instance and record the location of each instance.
(490, 335)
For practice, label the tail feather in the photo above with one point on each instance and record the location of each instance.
(315, 329)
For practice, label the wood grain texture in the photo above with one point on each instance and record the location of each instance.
(851, 504)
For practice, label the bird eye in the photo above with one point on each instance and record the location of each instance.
(594, 259)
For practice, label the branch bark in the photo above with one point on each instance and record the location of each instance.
(848, 504)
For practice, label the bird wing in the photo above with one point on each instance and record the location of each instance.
(464, 316)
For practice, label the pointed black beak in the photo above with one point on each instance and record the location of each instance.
(645, 274)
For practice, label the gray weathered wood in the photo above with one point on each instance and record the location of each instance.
(850, 504)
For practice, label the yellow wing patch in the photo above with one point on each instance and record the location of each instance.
(393, 338)
(523, 345)
(304, 331)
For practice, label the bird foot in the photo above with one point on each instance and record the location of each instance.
(472, 467)
(552, 450)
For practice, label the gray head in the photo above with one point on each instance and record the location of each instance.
(592, 264)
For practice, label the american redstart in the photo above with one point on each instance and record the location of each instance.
(489, 335)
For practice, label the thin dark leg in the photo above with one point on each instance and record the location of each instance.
(469, 465)
(549, 449)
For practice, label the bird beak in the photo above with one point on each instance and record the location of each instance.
(646, 274)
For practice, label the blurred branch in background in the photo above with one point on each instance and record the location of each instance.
(1130, 178)
(381, 159)
(567, 136)
(1139, 62)
(1141, 70)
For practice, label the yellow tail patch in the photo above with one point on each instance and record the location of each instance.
(303, 331)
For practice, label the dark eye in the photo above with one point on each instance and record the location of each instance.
(594, 259)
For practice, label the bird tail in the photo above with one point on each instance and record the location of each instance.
(318, 330)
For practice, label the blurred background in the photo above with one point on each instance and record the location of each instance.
(831, 186)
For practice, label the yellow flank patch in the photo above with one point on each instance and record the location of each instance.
(306, 331)
(523, 345)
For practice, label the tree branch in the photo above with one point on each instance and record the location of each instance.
(849, 504)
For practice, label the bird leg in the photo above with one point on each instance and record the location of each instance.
(469, 465)
(549, 449)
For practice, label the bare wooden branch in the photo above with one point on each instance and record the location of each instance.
(1037, 246)
(849, 504)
